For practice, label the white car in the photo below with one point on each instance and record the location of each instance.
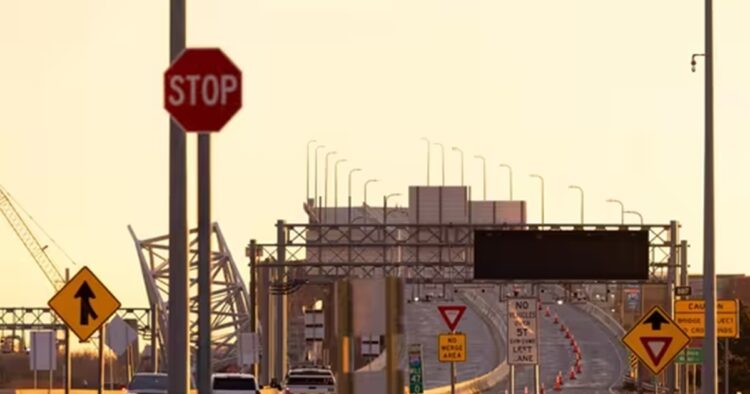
(310, 381)
(234, 383)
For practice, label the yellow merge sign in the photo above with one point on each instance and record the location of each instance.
(690, 315)
(451, 348)
(84, 304)
(656, 339)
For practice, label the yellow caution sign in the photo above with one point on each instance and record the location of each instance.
(84, 304)
(656, 339)
(451, 348)
(690, 316)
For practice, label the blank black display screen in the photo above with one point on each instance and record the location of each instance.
(561, 255)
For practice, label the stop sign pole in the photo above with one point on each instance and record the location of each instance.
(178, 367)
(202, 91)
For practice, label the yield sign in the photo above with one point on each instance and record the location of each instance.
(452, 314)
(656, 339)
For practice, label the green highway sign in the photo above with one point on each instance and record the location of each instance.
(416, 375)
(693, 356)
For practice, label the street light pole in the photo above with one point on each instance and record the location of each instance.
(622, 209)
(307, 170)
(637, 214)
(325, 181)
(428, 159)
(364, 196)
(541, 179)
(385, 205)
(708, 372)
(510, 179)
(484, 175)
(349, 194)
(317, 148)
(442, 162)
(456, 149)
(336, 189)
(581, 190)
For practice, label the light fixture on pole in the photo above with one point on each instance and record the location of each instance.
(349, 194)
(442, 162)
(428, 158)
(307, 170)
(457, 149)
(364, 196)
(336, 188)
(510, 179)
(580, 189)
(484, 175)
(622, 209)
(541, 179)
(317, 196)
(325, 182)
(636, 213)
(385, 205)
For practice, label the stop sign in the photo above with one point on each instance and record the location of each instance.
(202, 89)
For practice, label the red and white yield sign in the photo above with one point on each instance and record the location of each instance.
(202, 89)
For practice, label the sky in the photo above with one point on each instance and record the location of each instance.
(587, 92)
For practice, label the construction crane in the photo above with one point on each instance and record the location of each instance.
(38, 252)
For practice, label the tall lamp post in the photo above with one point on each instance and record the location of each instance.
(428, 159)
(541, 179)
(510, 179)
(709, 373)
(307, 170)
(349, 194)
(636, 213)
(457, 149)
(325, 182)
(317, 196)
(364, 199)
(580, 189)
(336, 189)
(385, 205)
(442, 162)
(484, 175)
(622, 209)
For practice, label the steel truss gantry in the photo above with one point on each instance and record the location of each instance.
(422, 253)
(229, 296)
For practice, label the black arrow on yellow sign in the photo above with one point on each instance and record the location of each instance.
(85, 294)
(656, 320)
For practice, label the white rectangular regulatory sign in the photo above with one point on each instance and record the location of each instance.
(523, 337)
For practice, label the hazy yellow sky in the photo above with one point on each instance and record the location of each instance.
(596, 93)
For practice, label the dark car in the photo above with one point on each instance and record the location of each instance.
(148, 383)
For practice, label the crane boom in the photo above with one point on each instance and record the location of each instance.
(36, 250)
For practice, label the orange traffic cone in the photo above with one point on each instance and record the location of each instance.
(562, 327)
(525, 389)
(572, 373)
(558, 381)
(579, 357)
(539, 306)
(557, 320)
(579, 369)
(546, 312)
(541, 389)
(573, 341)
(557, 386)
(567, 334)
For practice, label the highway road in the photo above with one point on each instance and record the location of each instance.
(423, 324)
(602, 358)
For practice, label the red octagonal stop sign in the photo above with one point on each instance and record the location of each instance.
(202, 89)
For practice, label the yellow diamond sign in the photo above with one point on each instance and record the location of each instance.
(84, 304)
(656, 339)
